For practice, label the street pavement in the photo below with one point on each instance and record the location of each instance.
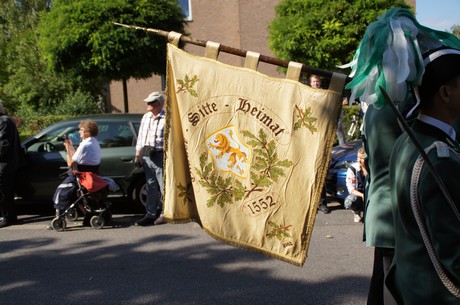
(176, 264)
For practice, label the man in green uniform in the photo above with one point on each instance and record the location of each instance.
(424, 220)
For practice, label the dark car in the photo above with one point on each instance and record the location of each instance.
(46, 157)
(341, 158)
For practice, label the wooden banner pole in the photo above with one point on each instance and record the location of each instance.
(234, 51)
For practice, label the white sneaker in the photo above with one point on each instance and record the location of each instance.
(357, 218)
(160, 220)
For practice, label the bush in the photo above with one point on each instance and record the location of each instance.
(30, 125)
(77, 103)
(30, 121)
(349, 113)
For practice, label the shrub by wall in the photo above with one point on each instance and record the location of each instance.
(29, 126)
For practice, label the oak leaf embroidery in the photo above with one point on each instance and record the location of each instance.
(222, 190)
(305, 119)
(267, 167)
(265, 170)
(186, 85)
(278, 231)
(186, 193)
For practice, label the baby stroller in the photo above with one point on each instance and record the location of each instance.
(92, 192)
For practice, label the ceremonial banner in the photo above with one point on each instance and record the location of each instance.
(245, 154)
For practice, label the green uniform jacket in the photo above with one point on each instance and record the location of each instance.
(412, 278)
(381, 130)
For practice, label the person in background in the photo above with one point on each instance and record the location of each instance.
(149, 154)
(426, 268)
(315, 81)
(86, 158)
(11, 160)
(356, 175)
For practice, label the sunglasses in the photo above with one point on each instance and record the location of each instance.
(152, 103)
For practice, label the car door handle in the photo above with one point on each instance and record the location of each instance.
(126, 159)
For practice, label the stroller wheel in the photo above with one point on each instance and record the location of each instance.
(72, 215)
(97, 222)
(58, 224)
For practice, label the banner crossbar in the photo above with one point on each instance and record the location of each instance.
(234, 51)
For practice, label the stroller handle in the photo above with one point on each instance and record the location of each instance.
(68, 171)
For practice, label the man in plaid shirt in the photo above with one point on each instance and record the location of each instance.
(149, 154)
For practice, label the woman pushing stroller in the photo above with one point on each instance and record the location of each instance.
(86, 158)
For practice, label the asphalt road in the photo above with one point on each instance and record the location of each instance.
(175, 264)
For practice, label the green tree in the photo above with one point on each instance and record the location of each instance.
(323, 33)
(79, 37)
(25, 82)
(455, 29)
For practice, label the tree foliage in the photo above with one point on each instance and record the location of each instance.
(323, 33)
(455, 29)
(24, 79)
(56, 52)
(79, 37)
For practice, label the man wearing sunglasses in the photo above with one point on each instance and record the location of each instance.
(149, 155)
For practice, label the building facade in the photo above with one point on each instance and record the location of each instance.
(241, 24)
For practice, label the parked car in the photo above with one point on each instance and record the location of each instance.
(46, 157)
(341, 158)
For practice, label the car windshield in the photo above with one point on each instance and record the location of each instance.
(54, 139)
(111, 134)
(117, 134)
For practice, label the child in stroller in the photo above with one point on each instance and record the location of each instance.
(89, 194)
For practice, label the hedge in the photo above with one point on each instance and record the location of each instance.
(29, 126)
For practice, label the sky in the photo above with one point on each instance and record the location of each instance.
(438, 14)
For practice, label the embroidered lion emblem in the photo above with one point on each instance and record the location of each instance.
(224, 147)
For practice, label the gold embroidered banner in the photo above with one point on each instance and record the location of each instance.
(246, 155)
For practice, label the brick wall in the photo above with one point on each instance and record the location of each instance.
(241, 24)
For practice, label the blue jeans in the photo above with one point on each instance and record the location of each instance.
(153, 168)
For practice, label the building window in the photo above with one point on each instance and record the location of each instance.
(186, 6)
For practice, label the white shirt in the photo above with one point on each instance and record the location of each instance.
(88, 152)
(151, 131)
(448, 129)
(351, 179)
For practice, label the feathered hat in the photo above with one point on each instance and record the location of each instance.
(391, 56)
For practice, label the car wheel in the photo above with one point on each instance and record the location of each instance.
(139, 192)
